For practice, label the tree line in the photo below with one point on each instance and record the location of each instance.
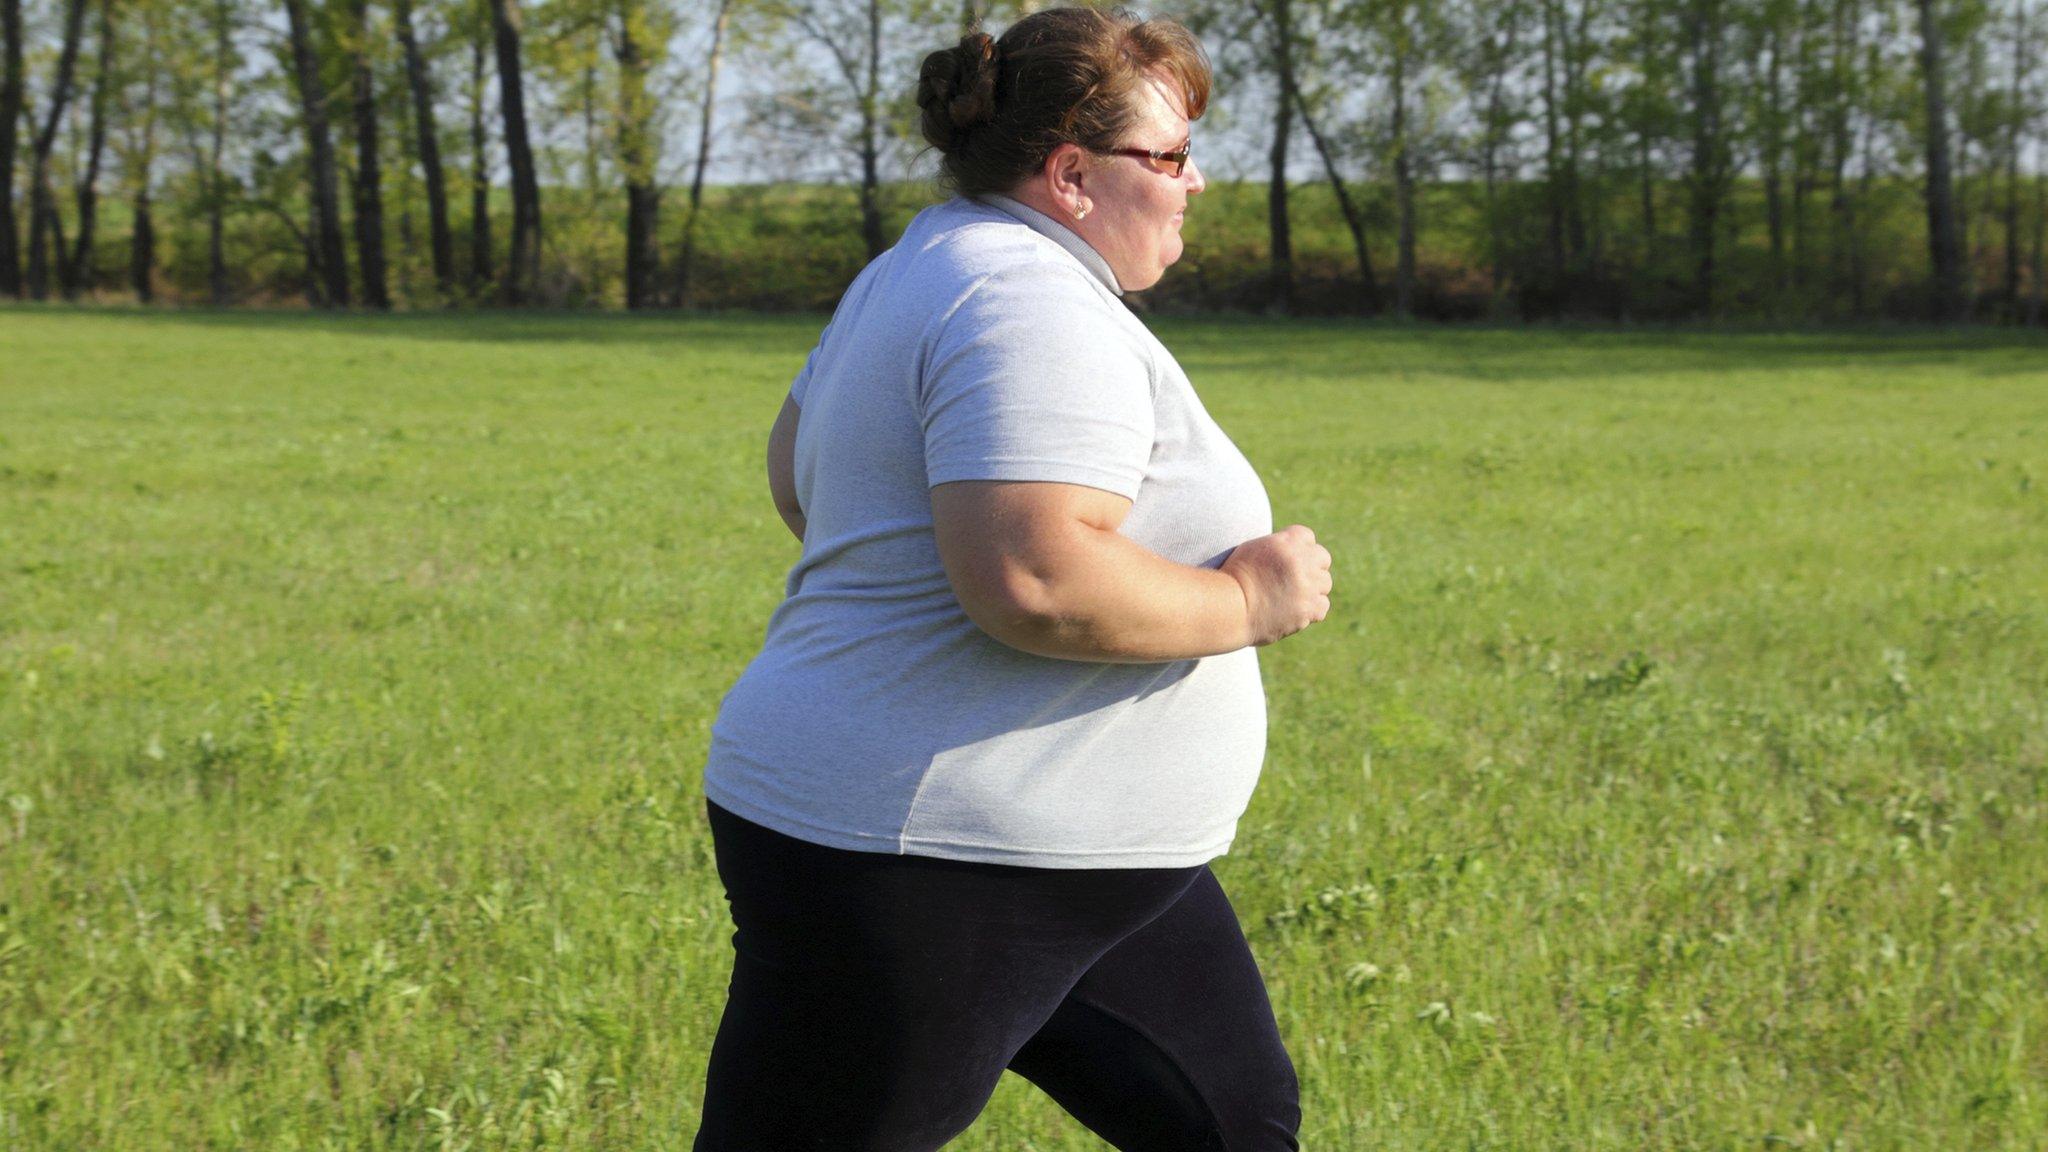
(1792, 159)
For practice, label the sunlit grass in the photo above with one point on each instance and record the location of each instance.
(1670, 773)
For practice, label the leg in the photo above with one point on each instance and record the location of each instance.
(1168, 1043)
(876, 998)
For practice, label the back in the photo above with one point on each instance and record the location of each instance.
(877, 715)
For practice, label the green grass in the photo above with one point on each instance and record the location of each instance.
(1670, 774)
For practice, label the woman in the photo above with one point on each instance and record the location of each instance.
(964, 798)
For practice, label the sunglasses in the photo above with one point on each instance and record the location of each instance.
(1179, 159)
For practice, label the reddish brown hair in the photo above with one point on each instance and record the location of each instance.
(995, 109)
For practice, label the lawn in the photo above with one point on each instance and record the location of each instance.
(1671, 772)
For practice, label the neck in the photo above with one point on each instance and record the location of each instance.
(1034, 195)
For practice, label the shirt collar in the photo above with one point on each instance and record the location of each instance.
(1059, 234)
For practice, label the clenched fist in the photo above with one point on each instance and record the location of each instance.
(1286, 581)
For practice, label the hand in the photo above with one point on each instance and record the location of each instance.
(1286, 582)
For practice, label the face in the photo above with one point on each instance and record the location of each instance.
(1135, 206)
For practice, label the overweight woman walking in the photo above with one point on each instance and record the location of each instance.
(964, 799)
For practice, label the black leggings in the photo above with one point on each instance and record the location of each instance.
(877, 998)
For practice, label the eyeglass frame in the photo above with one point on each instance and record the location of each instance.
(1178, 158)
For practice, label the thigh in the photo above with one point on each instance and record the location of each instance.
(876, 998)
(1168, 1042)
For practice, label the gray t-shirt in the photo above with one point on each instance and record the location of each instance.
(989, 344)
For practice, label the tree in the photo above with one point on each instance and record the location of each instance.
(1843, 88)
(1280, 28)
(369, 182)
(75, 272)
(1771, 26)
(1559, 186)
(218, 28)
(846, 105)
(1648, 110)
(45, 230)
(2016, 111)
(312, 90)
(1712, 167)
(522, 274)
(136, 148)
(427, 145)
(1492, 32)
(480, 263)
(1354, 219)
(2034, 312)
(1401, 43)
(686, 261)
(11, 37)
(639, 134)
(1943, 249)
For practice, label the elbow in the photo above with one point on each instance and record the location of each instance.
(1021, 609)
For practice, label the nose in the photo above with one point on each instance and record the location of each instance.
(1196, 181)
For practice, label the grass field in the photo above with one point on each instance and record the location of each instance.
(1670, 774)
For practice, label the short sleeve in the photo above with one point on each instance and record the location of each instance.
(1034, 378)
(802, 383)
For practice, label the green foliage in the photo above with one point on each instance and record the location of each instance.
(1671, 772)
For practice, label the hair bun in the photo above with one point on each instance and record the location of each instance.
(956, 90)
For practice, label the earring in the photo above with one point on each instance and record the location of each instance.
(1081, 213)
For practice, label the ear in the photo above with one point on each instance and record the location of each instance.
(1064, 177)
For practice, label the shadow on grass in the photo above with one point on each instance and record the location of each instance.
(1334, 349)
(1561, 352)
(739, 331)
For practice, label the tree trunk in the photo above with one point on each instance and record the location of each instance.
(1279, 225)
(42, 214)
(2011, 287)
(1774, 151)
(369, 183)
(1943, 248)
(1841, 144)
(1496, 243)
(480, 272)
(1646, 161)
(1805, 154)
(1646, 168)
(637, 158)
(1552, 193)
(76, 275)
(140, 163)
(428, 139)
(1709, 165)
(11, 35)
(1404, 185)
(320, 158)
(522, 274)
(142, 248)
(216, 183)
(1966, 238)
(870, 146)
(590, 142)
(1859, 264)
(2034, 312)
(1575, 54)
(1369, 284)
(686, 263)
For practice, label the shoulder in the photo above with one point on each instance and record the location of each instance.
(1009, 279)
(969, 240)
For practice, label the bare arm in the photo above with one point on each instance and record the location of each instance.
(1041, 567)
(782, 466)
